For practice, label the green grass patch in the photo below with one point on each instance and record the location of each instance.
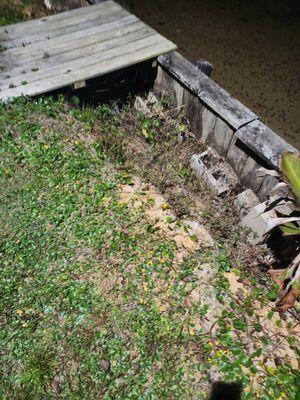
(93, 301)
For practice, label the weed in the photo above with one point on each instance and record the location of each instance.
(96, 302)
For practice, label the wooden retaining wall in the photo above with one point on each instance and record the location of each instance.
(222, 121)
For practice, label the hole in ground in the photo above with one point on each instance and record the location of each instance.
(226, 391)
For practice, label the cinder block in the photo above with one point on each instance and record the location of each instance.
(245, 201)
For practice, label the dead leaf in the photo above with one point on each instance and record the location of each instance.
(287, 301)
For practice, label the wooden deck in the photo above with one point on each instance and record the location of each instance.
(50, 53)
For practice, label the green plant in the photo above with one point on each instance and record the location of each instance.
(97, 300)
(289, 279)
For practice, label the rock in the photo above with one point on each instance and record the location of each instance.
(198, 230)
(151, 104)
(244, 201)
(286, 209)
(105, 365)
(218, 174)
(140, 105)
(280, 190)
(257, 220)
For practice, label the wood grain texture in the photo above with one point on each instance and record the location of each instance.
(53, 61)
(208, 91)
(222, 136)
(265, 143)
(61, 50)
(57, 21)
(98, 18)
(71, 40)
(128, 55)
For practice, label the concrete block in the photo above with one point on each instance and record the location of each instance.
(245, 201)
(257, 221)
(266, 187)
(218, 175)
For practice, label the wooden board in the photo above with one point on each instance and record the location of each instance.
(46, 54)
(208, 91)
(264, 143)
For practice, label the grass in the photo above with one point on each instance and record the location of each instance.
(95, 301)
(13, 11)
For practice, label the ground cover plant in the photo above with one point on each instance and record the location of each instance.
(122, 276)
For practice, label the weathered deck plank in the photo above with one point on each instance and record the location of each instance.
(57, 21)
(98, 18)
(73, 40)
(51, 53)
(127, 55)
(82, 48)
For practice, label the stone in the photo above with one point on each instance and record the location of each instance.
(140, 105)
(153, 103)
(257, 221)
(281, 189)
(198, 230)
(245, 201)
(105, 365)
(216, 172)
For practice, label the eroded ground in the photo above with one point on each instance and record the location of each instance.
(122, 275)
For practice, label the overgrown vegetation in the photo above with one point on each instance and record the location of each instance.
(13, 11)
(289, 279)
(98, 301)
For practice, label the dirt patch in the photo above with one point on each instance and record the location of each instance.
(165, 163)
(188, 235)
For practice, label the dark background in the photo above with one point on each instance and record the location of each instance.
(254, 46)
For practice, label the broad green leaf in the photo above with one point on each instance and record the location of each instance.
(290, 229)
(290, 166)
